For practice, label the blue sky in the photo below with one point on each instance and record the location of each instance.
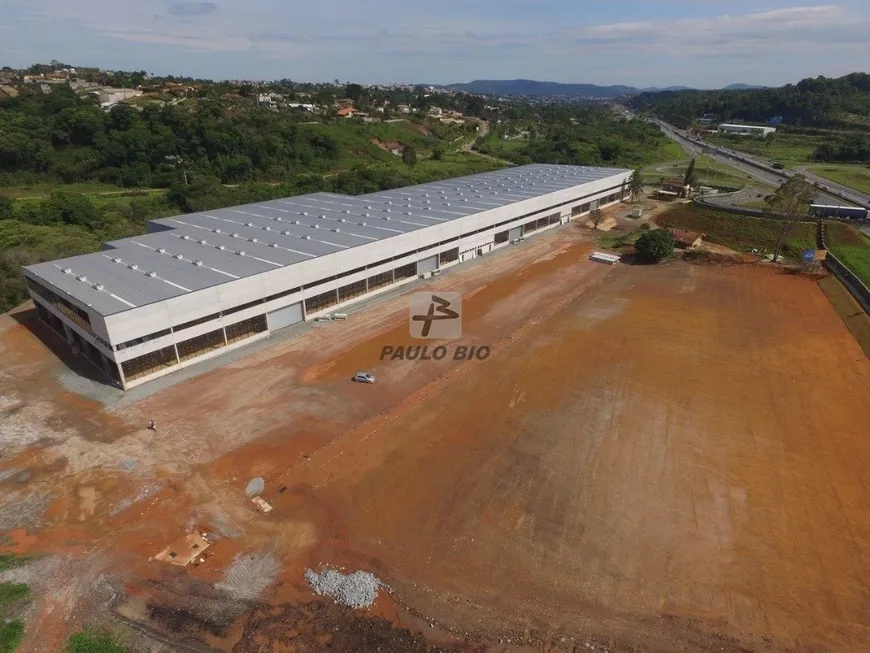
(700, 43)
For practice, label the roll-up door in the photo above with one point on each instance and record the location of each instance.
(284, 317)
(516, 232)
(427, 265)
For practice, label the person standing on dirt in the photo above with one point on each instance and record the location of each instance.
(152, 425)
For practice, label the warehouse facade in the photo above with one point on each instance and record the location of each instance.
(199, 284)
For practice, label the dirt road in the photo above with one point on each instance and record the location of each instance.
(668, 458)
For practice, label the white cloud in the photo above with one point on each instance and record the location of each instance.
(406, 39)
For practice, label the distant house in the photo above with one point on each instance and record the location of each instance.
(344, 103)
(346, 112)
(299, 105)
(687, 239)
(403, 108)
(8, 91)
(111, 96)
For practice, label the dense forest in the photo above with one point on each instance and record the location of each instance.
(841, 103)
(207, 153)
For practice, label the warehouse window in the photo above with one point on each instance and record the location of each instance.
(321, 302)
(449, 256)
(199, 345)
(246, 329)
(380, 280)
(350, 291)
(150, 363)
(405, 272)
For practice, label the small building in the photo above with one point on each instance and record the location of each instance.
(745, 130)
(346, 112)
(687, 239)
(110, 96)
(403, 108)
(678, 187)
(344, 103)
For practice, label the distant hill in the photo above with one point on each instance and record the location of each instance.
(743, 87)
(542, 89)
(842, 103)
(530, 87)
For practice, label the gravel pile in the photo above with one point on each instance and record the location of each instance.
(357, 590)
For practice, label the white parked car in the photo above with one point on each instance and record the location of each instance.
(363, 377)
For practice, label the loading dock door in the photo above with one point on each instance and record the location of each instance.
(466, 256)
(516, 232)
(284, 317)
(427, 265)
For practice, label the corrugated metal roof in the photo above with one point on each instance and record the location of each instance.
(201, 250)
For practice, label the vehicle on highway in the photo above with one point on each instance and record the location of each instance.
(363, 377)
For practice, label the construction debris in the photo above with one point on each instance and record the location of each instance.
(357, 590)
(184, 551)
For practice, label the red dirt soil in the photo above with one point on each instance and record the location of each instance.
(667, 458)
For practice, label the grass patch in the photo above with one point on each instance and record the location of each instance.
(851, 247)
(739, 232)
(788, 149)
(45, 189)
(11, 594)
(10, 561)
(90, 641)
(707, 173)
(853, 176)
(620, 241)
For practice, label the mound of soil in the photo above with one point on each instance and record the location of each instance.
(320, 626)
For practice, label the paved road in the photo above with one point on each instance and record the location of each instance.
(855, 196)
(758, 169)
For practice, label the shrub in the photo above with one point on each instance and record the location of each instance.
(653, 246)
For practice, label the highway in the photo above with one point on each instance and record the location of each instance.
(762, 171)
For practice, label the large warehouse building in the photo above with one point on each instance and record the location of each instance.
(198, 284)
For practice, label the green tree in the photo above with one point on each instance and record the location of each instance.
(596, 217)
(63, 207)
(635, 185)
(438, 153)
(655, 245)
(409, 156)
(353, 91)
(689, 179)
(792, 200)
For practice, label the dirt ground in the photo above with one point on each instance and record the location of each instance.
(651, 459)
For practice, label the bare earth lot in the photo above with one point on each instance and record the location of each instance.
(668, 458)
